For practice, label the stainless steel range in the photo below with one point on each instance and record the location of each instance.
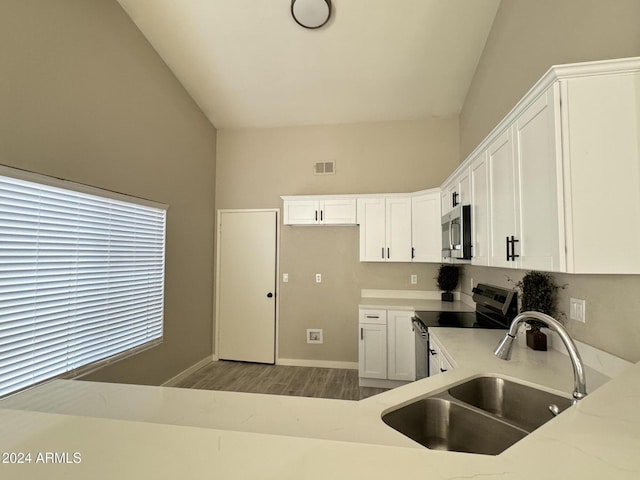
(496, 307)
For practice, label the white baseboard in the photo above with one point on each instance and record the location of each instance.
(300, 362)
(185, 373)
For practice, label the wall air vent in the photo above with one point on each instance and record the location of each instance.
(324, 168)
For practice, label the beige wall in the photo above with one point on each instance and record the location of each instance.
(84, 97)
(528, 37)
(256, 166)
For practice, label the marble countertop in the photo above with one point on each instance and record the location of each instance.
(126, 431)
(416, 304)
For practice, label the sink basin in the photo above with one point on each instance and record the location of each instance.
(523, 406)
(441, 424)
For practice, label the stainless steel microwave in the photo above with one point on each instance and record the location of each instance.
(456, 233)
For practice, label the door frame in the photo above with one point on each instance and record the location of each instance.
(216, 283)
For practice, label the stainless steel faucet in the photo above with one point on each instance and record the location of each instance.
(506, 346)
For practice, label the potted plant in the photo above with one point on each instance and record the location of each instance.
(447, 281)
(539, 293)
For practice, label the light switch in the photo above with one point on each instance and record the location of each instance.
(414, 279)
(285, 277)
(577, 309)
(318, 278)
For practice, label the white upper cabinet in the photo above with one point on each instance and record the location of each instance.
(457, 191)
(556, 185)
(540, 192)
(322, 210)
(398, 219)
(425, 227)
(525, 190)
(503, 199)
(480, 209)
(601, 162)
(385, 229)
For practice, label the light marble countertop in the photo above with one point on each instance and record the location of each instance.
(416, 304)
(125, 431)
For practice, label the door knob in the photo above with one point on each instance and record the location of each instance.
(269, 295)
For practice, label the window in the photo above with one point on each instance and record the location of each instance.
(81, 277)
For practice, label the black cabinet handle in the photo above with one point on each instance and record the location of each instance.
(321, 214)
(361, 334)
(316, 215)
(443, 369)
(413, 252)
(388, 256)
(511, 242)
(382, 252)
(454, 199)
(513, 248)
(432, 352)
(269, 295)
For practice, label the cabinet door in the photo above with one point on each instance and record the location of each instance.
(462, 191)
(338, 211)
(464, 187)
(301, 212)
(502, 198)
(480, 209)
(601, 132)
(401, 346)
(371, 216)
(372, 351)
(539, 165)
(398, 233)
(434, 358)
(438, 361)
(425, 228)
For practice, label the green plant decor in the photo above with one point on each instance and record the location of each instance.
(448, 276)
(538, 294)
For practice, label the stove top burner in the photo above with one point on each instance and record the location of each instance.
(496, 307)
(458, 320)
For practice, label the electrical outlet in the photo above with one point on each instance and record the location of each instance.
(577, 310)
(414, 279)
(285, 277)
(318, 278)
(314, 335)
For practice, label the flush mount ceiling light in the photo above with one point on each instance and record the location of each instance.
(311, 13)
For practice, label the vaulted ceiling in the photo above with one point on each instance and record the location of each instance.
(248, 64)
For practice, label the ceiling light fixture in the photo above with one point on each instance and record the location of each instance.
(311, 14)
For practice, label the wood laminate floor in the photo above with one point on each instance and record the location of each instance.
(279, 380)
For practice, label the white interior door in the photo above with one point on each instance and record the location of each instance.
(246, 286)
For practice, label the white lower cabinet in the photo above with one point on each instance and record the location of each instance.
(372, 346)
(439, 360)
(386, 348)
(401, 346)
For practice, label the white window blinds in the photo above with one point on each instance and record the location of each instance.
(81, 279)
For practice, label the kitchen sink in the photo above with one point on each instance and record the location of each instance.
(519, 404)
(440, 424)
(484, 415)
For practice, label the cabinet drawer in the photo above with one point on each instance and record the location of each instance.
(373, 316)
